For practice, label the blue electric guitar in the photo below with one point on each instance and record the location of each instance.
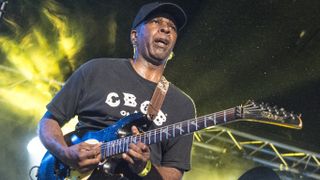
(116, 138)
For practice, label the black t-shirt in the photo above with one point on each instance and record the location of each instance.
(104, 90)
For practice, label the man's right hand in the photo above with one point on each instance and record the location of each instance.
(83, 157)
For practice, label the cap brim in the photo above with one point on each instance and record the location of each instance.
(173, 10)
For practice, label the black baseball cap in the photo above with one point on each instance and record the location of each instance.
(175, 11)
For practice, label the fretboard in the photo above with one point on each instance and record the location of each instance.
(153, 136)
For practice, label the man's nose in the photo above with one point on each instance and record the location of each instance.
(165, 28)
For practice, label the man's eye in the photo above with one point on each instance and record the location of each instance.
(173, 28)
(155, 21)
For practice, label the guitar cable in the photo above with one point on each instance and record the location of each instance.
(30, 172)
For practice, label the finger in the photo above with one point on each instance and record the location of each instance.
(143, 147)
(92, 154)
(127, 158)
(135, 148)
(136, 156)
(134, 130)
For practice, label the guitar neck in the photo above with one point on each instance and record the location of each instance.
(153, 136)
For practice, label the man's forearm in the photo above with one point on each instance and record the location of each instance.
(51, 136)
(169, 173)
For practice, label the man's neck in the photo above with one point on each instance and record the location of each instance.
(148, 70)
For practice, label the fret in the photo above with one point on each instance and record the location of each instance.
(127, 144)
(215, 119)
(188, 128)
(180, 128)
(205, 121)
(150, 137)
(224, 117)
(111, 148)
(104, 149)
(123, 145)
(155, 136)
(174, 130)
(167, 133)
(135, 139)
(108, 149)
(195, 123)
(165, 130)
(114, 147)
(161, 134)
(144, 138)
(210, 119)
(117, 146)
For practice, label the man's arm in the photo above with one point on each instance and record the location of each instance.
(83, 157)
(169, 173)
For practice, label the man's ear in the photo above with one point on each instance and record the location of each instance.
(133, 36)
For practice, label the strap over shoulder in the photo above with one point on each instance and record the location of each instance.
(157, 98)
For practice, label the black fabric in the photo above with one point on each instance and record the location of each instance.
(104, 90)
(260, 173)
(147, 10)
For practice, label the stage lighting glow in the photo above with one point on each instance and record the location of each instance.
(31, 71)
(36, 151)
(35, 146)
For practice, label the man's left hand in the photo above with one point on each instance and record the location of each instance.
(138, 154)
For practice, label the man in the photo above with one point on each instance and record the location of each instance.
(104, 90)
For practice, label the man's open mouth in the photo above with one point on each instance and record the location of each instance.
(161, 42)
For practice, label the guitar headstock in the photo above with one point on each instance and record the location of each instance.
(264, 113)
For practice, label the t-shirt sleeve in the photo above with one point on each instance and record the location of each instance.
(65, 103)
(178, 150)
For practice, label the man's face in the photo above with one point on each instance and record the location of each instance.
(156, 38)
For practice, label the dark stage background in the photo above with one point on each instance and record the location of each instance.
(229, 52)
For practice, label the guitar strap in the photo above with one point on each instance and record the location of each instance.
(157, 98)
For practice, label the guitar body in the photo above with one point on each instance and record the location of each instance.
(52, 168)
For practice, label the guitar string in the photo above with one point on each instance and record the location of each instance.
(155, 132)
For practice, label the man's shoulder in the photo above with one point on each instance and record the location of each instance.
(180, 94)
(183, 103)
(98, 62)
(102, 65)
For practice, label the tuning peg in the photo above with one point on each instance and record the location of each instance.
(261, 106)
(282, 109)
(292, 115)
(266, 105)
